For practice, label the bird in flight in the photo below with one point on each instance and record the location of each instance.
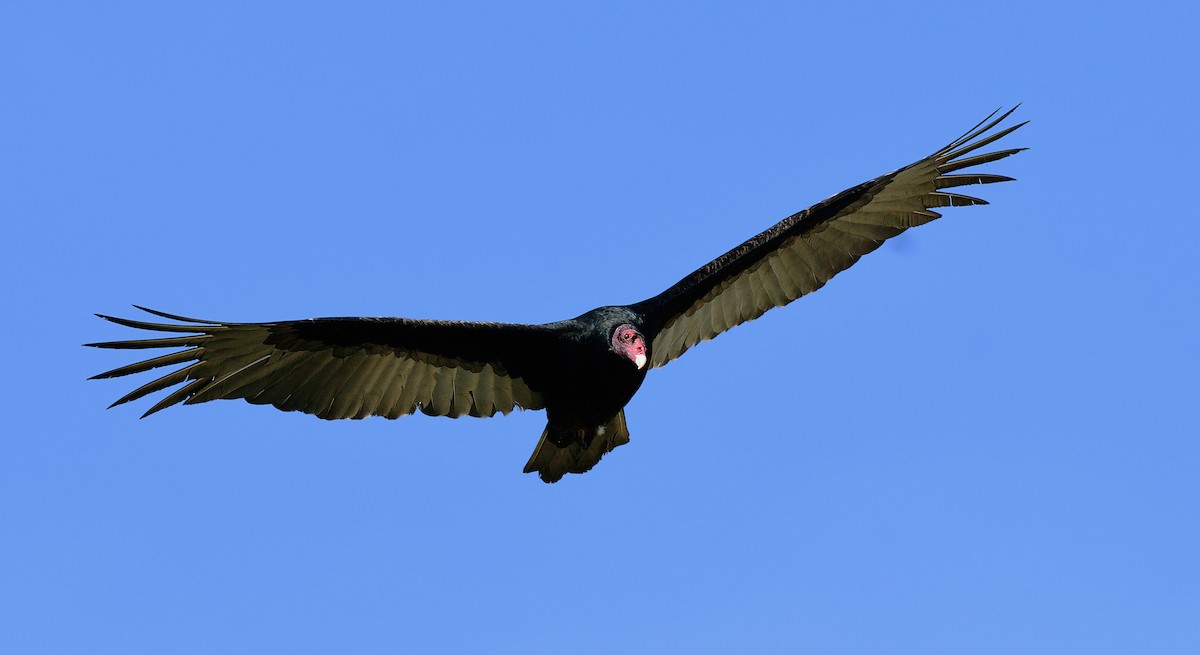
(583, 370)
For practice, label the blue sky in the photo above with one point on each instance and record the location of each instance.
(979, 439)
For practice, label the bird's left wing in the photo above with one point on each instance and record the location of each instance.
(802, 252)
(347, 367)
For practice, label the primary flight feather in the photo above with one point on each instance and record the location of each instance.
(582, 371)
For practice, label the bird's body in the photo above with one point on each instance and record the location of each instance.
(582, 371)
(589, 385)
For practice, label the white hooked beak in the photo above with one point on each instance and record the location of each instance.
(640, 360)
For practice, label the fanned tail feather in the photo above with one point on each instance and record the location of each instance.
(552, 462)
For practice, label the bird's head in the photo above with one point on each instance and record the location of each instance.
(629, 343)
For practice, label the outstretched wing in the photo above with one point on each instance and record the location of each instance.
(802, 252)
(347, 367)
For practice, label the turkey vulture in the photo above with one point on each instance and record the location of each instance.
(582, 371)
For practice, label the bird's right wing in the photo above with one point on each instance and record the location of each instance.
(802, 252)
(347, 367)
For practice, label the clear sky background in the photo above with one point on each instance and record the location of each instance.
(980, 439)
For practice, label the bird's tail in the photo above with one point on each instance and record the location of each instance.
(552, 461)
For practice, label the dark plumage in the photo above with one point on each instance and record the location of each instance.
(582, 371)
